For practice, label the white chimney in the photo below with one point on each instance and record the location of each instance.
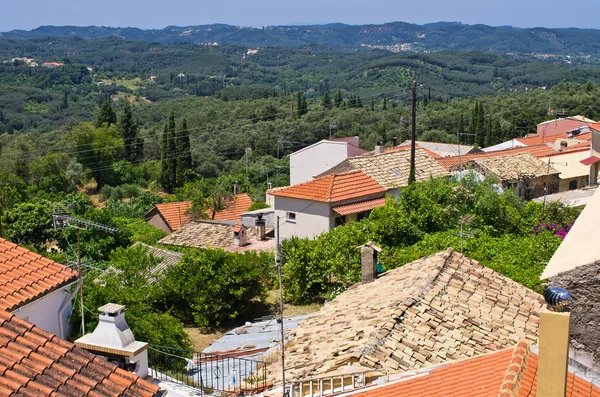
(113, 339)
(235, 187)
(239, 235)
(379, 148)
(553, 355)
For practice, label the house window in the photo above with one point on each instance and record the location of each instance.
(573, 185)
(290, 216)
(363, 215)
(340, 220)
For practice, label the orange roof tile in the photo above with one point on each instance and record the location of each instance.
(536, 150)
(333, 188)
(34, 362)
(175, 213)
(505, 373)
(235, 208)
(26, 276)
(359, 207)
(407, 147)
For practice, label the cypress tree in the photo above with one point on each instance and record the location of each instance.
(169, 155)
(65, 101)
(128, 129)
(473, 124)
(384, 104)
(106, 114)
(337, 99)
(497, 132)
(489, 133)
(184, 154)
(479, 126)
(326, 101)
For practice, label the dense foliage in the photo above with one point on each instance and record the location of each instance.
(425, 219)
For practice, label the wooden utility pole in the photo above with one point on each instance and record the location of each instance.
(413, 127)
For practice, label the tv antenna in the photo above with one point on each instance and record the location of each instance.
(62, 218)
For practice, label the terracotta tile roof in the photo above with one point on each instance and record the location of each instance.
(506, 373)
(535, 139)
(34, 362)
(26, 276)
(234, 208)
(404, 146)
(334, 188)
(204, 234)
(359, 207)
(392, 169)
(175, 213)
(516, 166)
(590, 160)
(442, 307)
(536, 150)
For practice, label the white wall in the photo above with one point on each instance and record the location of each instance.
(44, 312)
(312, 218)
(317, 158)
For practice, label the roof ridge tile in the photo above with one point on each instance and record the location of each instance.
(515, 369)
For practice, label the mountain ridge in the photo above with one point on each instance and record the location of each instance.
(437, 36)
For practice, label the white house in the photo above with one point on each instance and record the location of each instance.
(321, 156)
(311, 208)
(35, 288)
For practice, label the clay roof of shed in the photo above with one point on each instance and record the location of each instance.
(333, 188)
(34, 362)
(175, 213)
(506, 373)
(516, 166)
(204, 234)
(26, 276)
(442, 307)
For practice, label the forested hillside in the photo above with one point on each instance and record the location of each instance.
(430, 37)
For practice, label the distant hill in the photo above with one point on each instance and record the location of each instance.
(430, 37)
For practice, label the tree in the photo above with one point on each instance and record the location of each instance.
(128, 129)
(30, 223)
(106, 114)
(479, 125)
(497, 131)
(326, 101)
(384, 103)
(184, 154)
(212, 287)
(169, 155)
(210, 198)
(337, 99)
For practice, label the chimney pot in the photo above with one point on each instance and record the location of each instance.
(235, 187)
(395, 141)
(260, 225)
(368, 257)
(269, 185)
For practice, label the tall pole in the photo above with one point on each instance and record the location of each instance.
(412, 176)
(80, 281)
(279, 271)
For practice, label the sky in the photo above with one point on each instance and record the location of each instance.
(146, 14)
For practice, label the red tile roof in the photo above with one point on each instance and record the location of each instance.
(407, 147)
(34, 362)
(333, 188)
(26, 276)
(505, 373)
(536, 139)
(536, 150)
(359, 207)
(590, 160)
(175, 213)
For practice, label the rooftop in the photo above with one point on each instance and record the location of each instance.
(26, 276)
(516, 166)
(576, 249)
(442, 149)
(571, 198)
(34, 362)
(175, 213)
(510, 372)
(207, 234)
(542, 150)
(333, 188)
(442, 307)
(393, 168)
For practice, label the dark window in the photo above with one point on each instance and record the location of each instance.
(291, 216)
(363, 215)
(573, 185)
(340, 220)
